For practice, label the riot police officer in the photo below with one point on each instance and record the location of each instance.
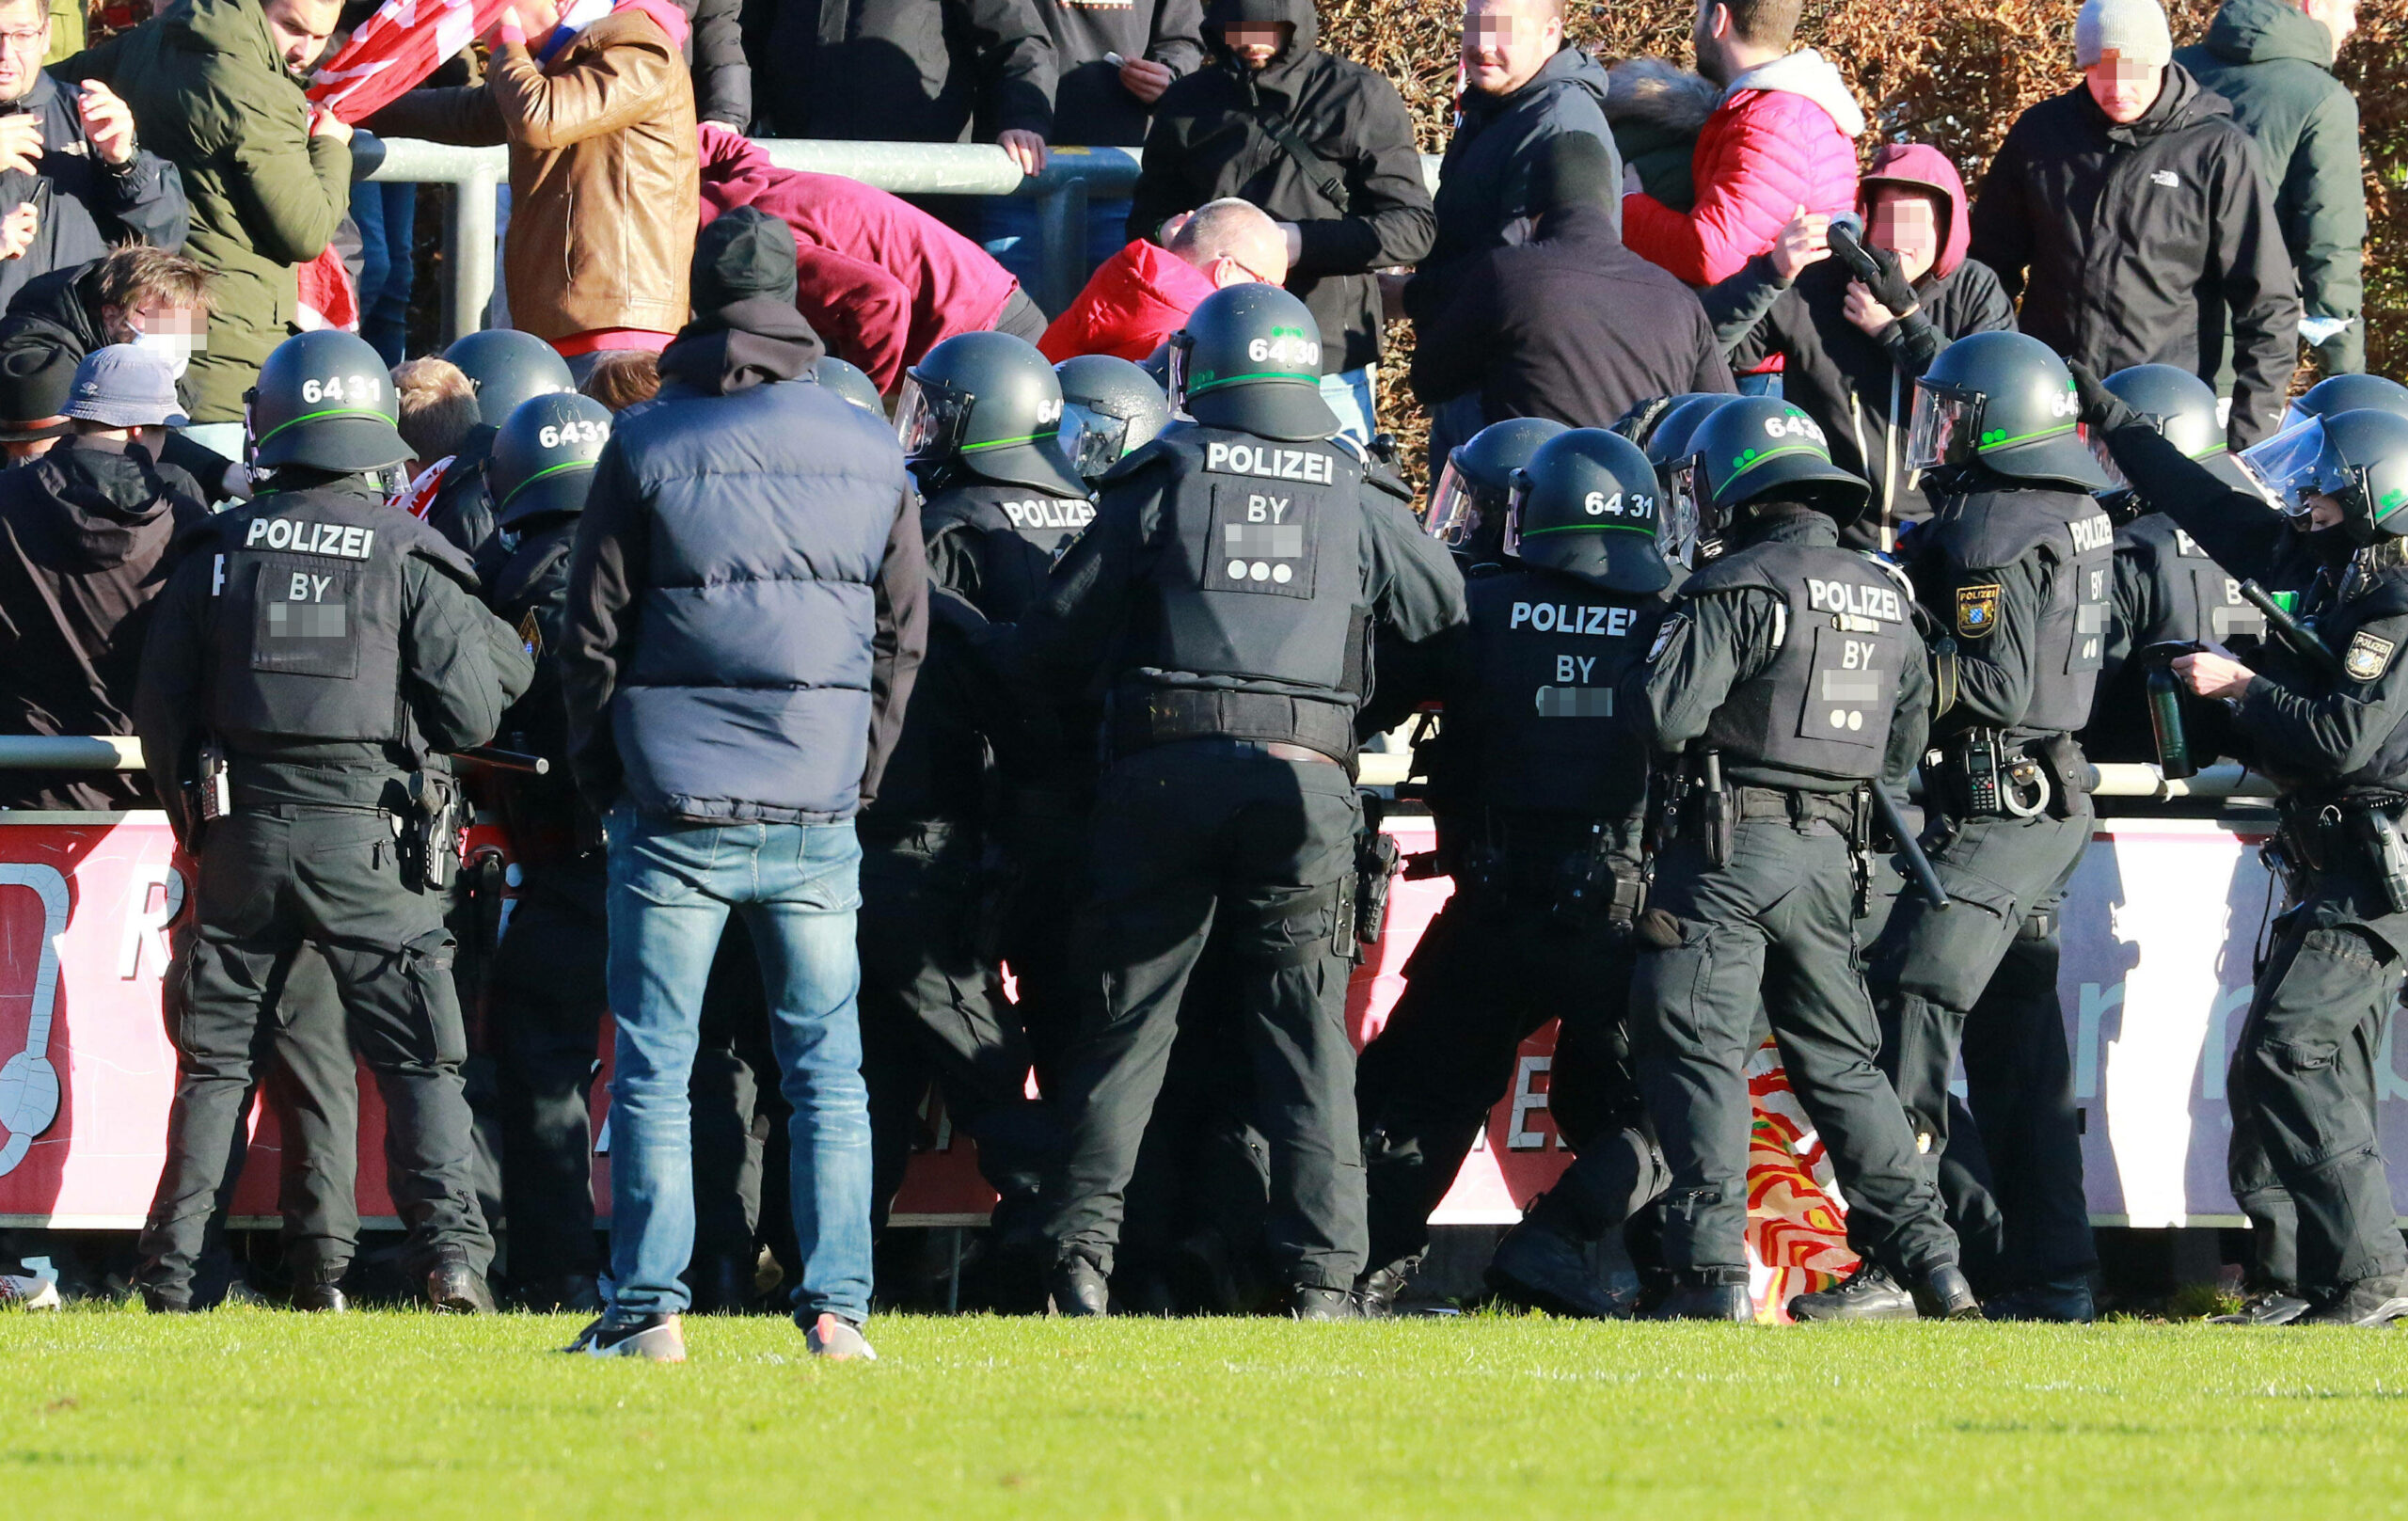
(547, 990)
(1225, 600)
(2015, 566)
(979, 417)
(505, 368)
(1109, 408)
(313, 660)
(1540, 781)
(849, 381)
(2322, 718)
(2347, 393)
(1467, 507)
(1788, 679)
(2167, 589)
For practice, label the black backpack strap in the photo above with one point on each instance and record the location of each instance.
(1317, 170)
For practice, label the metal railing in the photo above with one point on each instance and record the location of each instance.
(1072, 176)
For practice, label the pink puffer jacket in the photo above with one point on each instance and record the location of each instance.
(1783, 137)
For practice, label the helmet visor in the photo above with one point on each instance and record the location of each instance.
(2106, 458)
(929, 417)
(2293, 416)
(1094, 441)
(1175, 376)
(2284, 467)
(1677, 534)
(1945, 425)
(1454, 512)
(1519, 494)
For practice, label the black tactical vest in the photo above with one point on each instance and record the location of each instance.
(1259, 581)
(1543, 730)
(1992, 528)
(2366, 659)
(306, 621)
(2194, 597)
(1823, 704)
(1020, 534)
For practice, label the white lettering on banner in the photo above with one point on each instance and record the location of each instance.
(143, 926)
(294, 536)
(2092, 534)
(1517, 1136)
(1272, 463)
(1569, 618)
(28, 1083)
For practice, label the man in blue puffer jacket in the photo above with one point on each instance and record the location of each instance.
(748, 605)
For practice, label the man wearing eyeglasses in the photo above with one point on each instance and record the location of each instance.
(74, 182)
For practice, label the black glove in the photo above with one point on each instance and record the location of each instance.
(2100, 407)
(1891, 286)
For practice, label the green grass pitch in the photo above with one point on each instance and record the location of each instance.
(256, 1414)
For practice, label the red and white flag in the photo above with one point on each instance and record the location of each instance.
(397, 47)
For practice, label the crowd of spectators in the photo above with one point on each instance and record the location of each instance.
(1601, 237)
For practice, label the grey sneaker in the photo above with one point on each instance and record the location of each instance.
(654, 1338)
(838, 1339)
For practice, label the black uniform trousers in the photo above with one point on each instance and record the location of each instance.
(1188, 837)
(544, 1009)
(314, 1087)
(2304, 1158)
(1773, 931)
(272, 878)
(1045, 846)
(1980, 979)
(1492, 967)
(932, 1005)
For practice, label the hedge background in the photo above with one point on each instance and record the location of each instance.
(1949, 72)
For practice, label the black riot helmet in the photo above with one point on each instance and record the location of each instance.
(542, 458)
(2347, 393)
(2177, 404)
(1755, 449)
(2359, 459)
(1249, 359)
(2006, 401)
(505, 367)
(1588, 504)
(849, 381)
(1669, 449)
(324, 400)
(1110, 408)
(1467, 507)
(990, 403)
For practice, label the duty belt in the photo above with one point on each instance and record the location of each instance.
(1145, 718)
(1837, 809)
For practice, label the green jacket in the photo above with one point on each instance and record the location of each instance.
(2275, 66)
(213, 97)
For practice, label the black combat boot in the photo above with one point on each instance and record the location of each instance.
(1866, 1294)
(454, 1288)
(1538, 1265)
(2275, 1305)
(1312, 1302)
(2367, 1302)
(322, 1296)
(1076, 1288)
(1692, 1298)
(1376, 1291)
(2058, 1302)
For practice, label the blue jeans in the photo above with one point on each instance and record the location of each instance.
(671, 888)
(1007, 230)
(387, 215)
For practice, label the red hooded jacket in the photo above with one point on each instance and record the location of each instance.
(1135, 300)
(881, 281)
(1783, 137)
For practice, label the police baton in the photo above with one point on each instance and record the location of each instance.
(505, 760)
(1918, 864)
(2302, 642)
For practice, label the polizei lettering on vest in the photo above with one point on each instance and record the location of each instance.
(2093, 534)
(1049, 514)
(1881, 602)
(1566, 618)
(1271, 464)
(292, 536)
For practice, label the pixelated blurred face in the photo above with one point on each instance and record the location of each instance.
(2125, 90)
(300, 29)
(1506, 42)
(25, 36)
(1909, 226)
(160, 326)
(1259, 42)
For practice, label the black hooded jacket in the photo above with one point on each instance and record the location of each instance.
(2131, 244)
(905, 71)
(85, 538)
(1208, 141)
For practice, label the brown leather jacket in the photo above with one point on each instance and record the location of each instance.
(603, 177)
